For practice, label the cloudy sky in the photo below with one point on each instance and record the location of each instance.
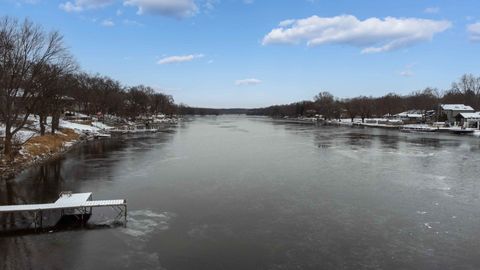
(249, 53)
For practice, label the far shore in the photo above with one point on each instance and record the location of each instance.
(384, 124)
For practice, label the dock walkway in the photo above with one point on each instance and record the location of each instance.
(75, 204)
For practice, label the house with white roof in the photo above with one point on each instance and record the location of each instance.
(412, 116)
(453, 110)
(469, 120)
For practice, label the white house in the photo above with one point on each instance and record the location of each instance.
(452, 110)
(469, 120)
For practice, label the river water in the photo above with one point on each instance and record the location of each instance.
(237, 192)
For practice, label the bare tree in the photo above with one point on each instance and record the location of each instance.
(365, 107)
(161, 103)
(24, 50)
(326, 104)
(469, 87)
(389, 104)
(351, 108)
(138, 101)
(51, 94)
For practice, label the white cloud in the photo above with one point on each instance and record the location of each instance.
(373, 35)
(474, 31)
(210, 4)
(249, 81)
(132, 23)
(286, 23)
(170, 8)
(408, 70)
(81, 5)
(432, 10)
(179, 59)
(108, 23)
(407, 73)
(69, 7)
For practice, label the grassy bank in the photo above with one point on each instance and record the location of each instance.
(36, 150)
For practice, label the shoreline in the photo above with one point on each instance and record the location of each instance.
(407, 128)
(38, 150)
(22, 162)
(10, 170)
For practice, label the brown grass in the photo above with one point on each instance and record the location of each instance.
(84, 122)
(49, 143)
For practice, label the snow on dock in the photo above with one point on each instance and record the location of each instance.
(75, 204)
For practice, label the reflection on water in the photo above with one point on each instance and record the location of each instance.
(95, 161)
(249, 193)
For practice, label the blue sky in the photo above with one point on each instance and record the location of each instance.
(250, 53)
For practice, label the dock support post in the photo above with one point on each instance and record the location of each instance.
(35, 220)
(81, 217)
(125, 223)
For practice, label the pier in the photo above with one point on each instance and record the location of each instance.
(78, 206)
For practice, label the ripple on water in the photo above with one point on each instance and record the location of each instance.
(140, 227)
(141, 223)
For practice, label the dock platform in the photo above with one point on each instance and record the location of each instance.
(78, 205)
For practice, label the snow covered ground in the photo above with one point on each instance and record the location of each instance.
(101, 125)
(21, 136)
(33, 128)
(79, 128)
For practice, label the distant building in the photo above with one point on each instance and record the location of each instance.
(310, 113)
(469, 120)
(76, 116)
(453, 110)
(412, 116)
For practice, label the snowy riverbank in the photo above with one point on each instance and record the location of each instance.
(32, 149)
(388, 124)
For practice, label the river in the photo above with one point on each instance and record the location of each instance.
(237, 192)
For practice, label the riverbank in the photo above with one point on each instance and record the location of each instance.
(33, 149)
(391, 124)
(398, 125)
(38, 150)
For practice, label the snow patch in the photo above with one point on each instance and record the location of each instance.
(78, 127)
(101, 125)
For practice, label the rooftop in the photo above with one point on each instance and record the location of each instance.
(475, 115)
(457, 107)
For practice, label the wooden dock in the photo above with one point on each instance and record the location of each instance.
(77, 205)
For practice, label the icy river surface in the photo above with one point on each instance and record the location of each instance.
(237, 192)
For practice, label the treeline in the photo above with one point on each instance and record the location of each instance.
(94, 94)
(186, 110)
(39, 76)
(465, 91)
